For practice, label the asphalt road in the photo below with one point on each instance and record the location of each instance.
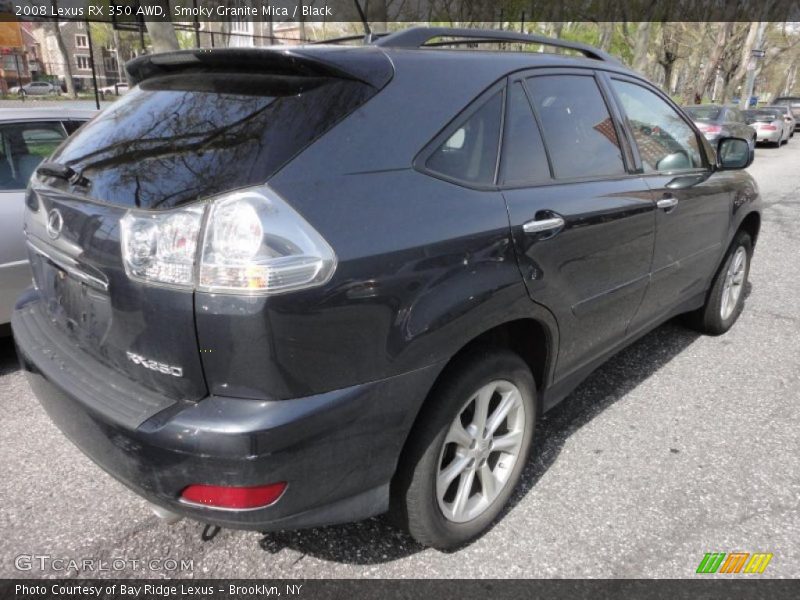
(678, 446)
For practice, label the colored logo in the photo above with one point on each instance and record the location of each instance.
(735, 562)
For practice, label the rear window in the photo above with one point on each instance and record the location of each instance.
(703, 113)
(174, 139)
(765, 115)
(793, 102)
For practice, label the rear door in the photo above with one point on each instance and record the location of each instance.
(693, 204)
(583, 225)
(22, 146)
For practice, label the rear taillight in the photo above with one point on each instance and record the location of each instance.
(768, 127)
(221, 496)
(709, 128)
(249, 241)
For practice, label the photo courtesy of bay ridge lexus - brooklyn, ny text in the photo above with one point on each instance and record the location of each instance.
(394, 298)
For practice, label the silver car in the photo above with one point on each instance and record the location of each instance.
(770, 126)
(27, 136)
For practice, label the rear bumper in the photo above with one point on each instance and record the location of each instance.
(768, 136)
(337, 451)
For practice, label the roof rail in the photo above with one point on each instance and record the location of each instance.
(416, 37)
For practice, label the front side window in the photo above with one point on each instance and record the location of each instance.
(24, 146)
(469, 153)
(577, 127)
(665, 141)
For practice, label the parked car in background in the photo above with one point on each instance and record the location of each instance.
(264, 301)
(39, 88)
(118, 89)
(770, 124)
(788, 117)
(27, 136)
(793, 102)
(718, 121)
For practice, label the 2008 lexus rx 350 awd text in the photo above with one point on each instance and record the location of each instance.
(282, 288)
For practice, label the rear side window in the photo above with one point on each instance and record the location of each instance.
(523, 159)
(469, 153)
(665, 141)
(23, 147)
(174, 139)
(577, 126)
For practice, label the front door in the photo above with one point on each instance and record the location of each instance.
(693, 204)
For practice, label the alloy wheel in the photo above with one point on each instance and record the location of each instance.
(480, 450)
(734, 282)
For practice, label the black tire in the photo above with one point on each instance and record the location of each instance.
(414, 502)
(709, 319)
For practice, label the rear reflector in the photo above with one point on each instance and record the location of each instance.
(233, 497)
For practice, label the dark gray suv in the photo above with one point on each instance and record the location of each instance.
(281, 288)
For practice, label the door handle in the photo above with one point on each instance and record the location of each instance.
(551, 224)
(667, 203)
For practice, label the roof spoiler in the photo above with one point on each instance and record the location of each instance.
(372, 67)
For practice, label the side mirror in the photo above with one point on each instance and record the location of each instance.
(734, 153)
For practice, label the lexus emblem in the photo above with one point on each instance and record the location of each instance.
(54, 223)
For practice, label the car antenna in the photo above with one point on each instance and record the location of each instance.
(363, 16)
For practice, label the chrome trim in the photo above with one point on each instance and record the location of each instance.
(667, 203)
(16, 263)
(542, 225)
(67, 263)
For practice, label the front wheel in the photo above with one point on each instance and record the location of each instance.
(726, 298)
(467, 451)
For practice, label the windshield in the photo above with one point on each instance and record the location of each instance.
(175, 139)
(703, 113)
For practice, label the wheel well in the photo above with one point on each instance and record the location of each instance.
(751, 224)
(526, 337)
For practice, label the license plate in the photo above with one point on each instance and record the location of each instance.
(73, 306)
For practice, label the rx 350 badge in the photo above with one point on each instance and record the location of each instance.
(154, 365)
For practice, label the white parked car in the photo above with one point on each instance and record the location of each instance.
(27, 136)
(118, 89)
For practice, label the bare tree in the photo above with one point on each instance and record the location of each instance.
(55, 29)
(162, 33)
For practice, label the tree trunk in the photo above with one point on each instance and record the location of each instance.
(709, 70)
(640, 44)
(744, 60)
(606, 35)
(301, 20)
(62, 51)
(162, 33)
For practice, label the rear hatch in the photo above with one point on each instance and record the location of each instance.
(769, 119)
(197, 125)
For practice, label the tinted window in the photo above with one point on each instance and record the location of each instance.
(666, 142)
(24, 146)
(577, 127)
(523, 159)
(72, 126)
(765, 115)
(172, 140)
(703, 113)
(470, 151)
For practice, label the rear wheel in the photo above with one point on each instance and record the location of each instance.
(726, 299)
(466, 453)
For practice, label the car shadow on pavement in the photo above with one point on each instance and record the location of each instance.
(8, 355)
(374, 541)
